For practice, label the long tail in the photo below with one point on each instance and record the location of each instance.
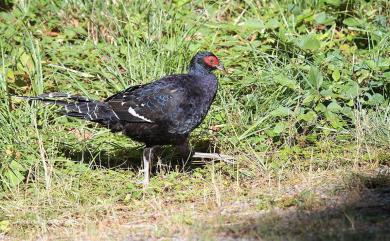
(78, 106)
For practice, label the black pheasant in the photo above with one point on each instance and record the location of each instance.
(163, 112)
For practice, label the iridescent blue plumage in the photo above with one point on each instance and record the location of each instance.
(163, 112)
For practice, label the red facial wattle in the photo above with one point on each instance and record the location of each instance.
(211, 61)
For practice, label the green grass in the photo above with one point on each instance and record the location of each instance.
(305, 105)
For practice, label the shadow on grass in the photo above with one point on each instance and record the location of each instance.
(361, 213)
(131, 159)
(6, 5)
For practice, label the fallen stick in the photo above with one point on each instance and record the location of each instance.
(215, 156)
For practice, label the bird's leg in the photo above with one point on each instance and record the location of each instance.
(146, 159)
(184, 149)
(148, 156)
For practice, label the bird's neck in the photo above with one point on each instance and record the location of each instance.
(197, 69)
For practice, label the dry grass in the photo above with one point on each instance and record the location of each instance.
(295, 207)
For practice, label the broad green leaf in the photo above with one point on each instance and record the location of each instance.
(371, 64)
(281, 112)
(310, 116)
(309, 99)
(312, 137)
(320, 108)
(253, 24)
(376, 99)
(272, 23)
(14, 165)
(10, 76)
(315, 77)
(333, 2)
(351, 22)
(386, 76)
(27, 61)
(309, 42)
(336, 75)
(13, 177)
(334, 107)
(280, 127)
(347, 111)
(383, 63)
(323, 18)
(335, 121)
(351, 90)
(328, 93)
(285, 81)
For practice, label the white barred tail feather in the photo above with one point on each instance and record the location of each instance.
(77, 106)
(83, 107)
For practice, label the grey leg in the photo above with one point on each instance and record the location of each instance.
(147, 157)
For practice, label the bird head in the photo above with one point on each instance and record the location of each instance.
(205, 62)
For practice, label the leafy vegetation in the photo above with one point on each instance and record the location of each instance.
(307, 90)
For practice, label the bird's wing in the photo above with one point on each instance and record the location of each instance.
(159, 101)
(120, 95)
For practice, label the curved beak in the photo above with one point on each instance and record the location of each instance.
(220, 67)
